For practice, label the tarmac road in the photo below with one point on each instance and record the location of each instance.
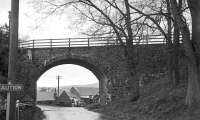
(71, 113)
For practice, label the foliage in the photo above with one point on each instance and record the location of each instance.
(158, 101)
(25, 75)
(32, 113)
(128, 18)
(4, 41)
(4, 46)
(94, 106)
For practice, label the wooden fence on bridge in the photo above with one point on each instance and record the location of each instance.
(89, 42)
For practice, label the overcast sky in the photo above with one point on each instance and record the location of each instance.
(34, 25)
(4, 8)
(31, 26)
(70, 75)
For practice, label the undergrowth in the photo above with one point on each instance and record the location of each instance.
(158, 101)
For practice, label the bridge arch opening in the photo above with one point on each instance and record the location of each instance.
(68, 74)
(101, 79)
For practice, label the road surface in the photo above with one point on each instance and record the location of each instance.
(71, 113)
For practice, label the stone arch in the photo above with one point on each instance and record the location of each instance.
(85, 62)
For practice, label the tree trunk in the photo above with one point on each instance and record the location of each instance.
(133, 81)
(193, 95)
(173, 72)
(175, 56)
(171, 50)
(193, 91)
(131, 54)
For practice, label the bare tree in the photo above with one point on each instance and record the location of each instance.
(191, 47)
(113, 17)
(123, 19)
(159, 15)
(193, 93)
(122, 30)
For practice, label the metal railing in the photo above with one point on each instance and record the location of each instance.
(88, 42)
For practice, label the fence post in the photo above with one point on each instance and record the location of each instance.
(116, 40)
(147, 39)
(139, 40)
(50, 52)
(107, 41)
(51, 43)
(88, 42)
(69, 42)
(164, 41)
(33, 43)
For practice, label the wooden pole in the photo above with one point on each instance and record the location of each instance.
(11, 102)
(58, 77)
(88, 42)
(58, 84)
(69, 43)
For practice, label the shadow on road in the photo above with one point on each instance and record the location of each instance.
(32, 113)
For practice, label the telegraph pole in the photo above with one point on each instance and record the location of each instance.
(14, 20)
(58, 78)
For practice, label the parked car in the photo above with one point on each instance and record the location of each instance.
(81, 103)
(24, 104)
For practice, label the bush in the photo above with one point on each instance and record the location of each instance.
(94, 106)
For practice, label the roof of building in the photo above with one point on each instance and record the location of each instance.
(75, 92)
(86, 91)
(63, 96)
(72, 95)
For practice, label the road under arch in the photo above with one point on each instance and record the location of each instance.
(94, 69)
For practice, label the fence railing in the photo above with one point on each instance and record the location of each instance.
(89, 42)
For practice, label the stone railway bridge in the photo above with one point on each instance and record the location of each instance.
(102, 56)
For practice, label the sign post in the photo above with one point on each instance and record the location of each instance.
(11, 87)
(14, 19)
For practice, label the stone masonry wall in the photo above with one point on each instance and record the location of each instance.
(108, 60)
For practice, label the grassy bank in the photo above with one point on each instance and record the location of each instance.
(158, 101)
(32, 113)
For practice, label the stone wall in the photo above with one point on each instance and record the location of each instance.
(107, 63)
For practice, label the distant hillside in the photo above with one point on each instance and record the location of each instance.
(94, 85)
(47, 93)
(89, 89)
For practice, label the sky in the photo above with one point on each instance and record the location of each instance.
(4, 8)
(32, 25)
(35, 25)
(69, 75)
